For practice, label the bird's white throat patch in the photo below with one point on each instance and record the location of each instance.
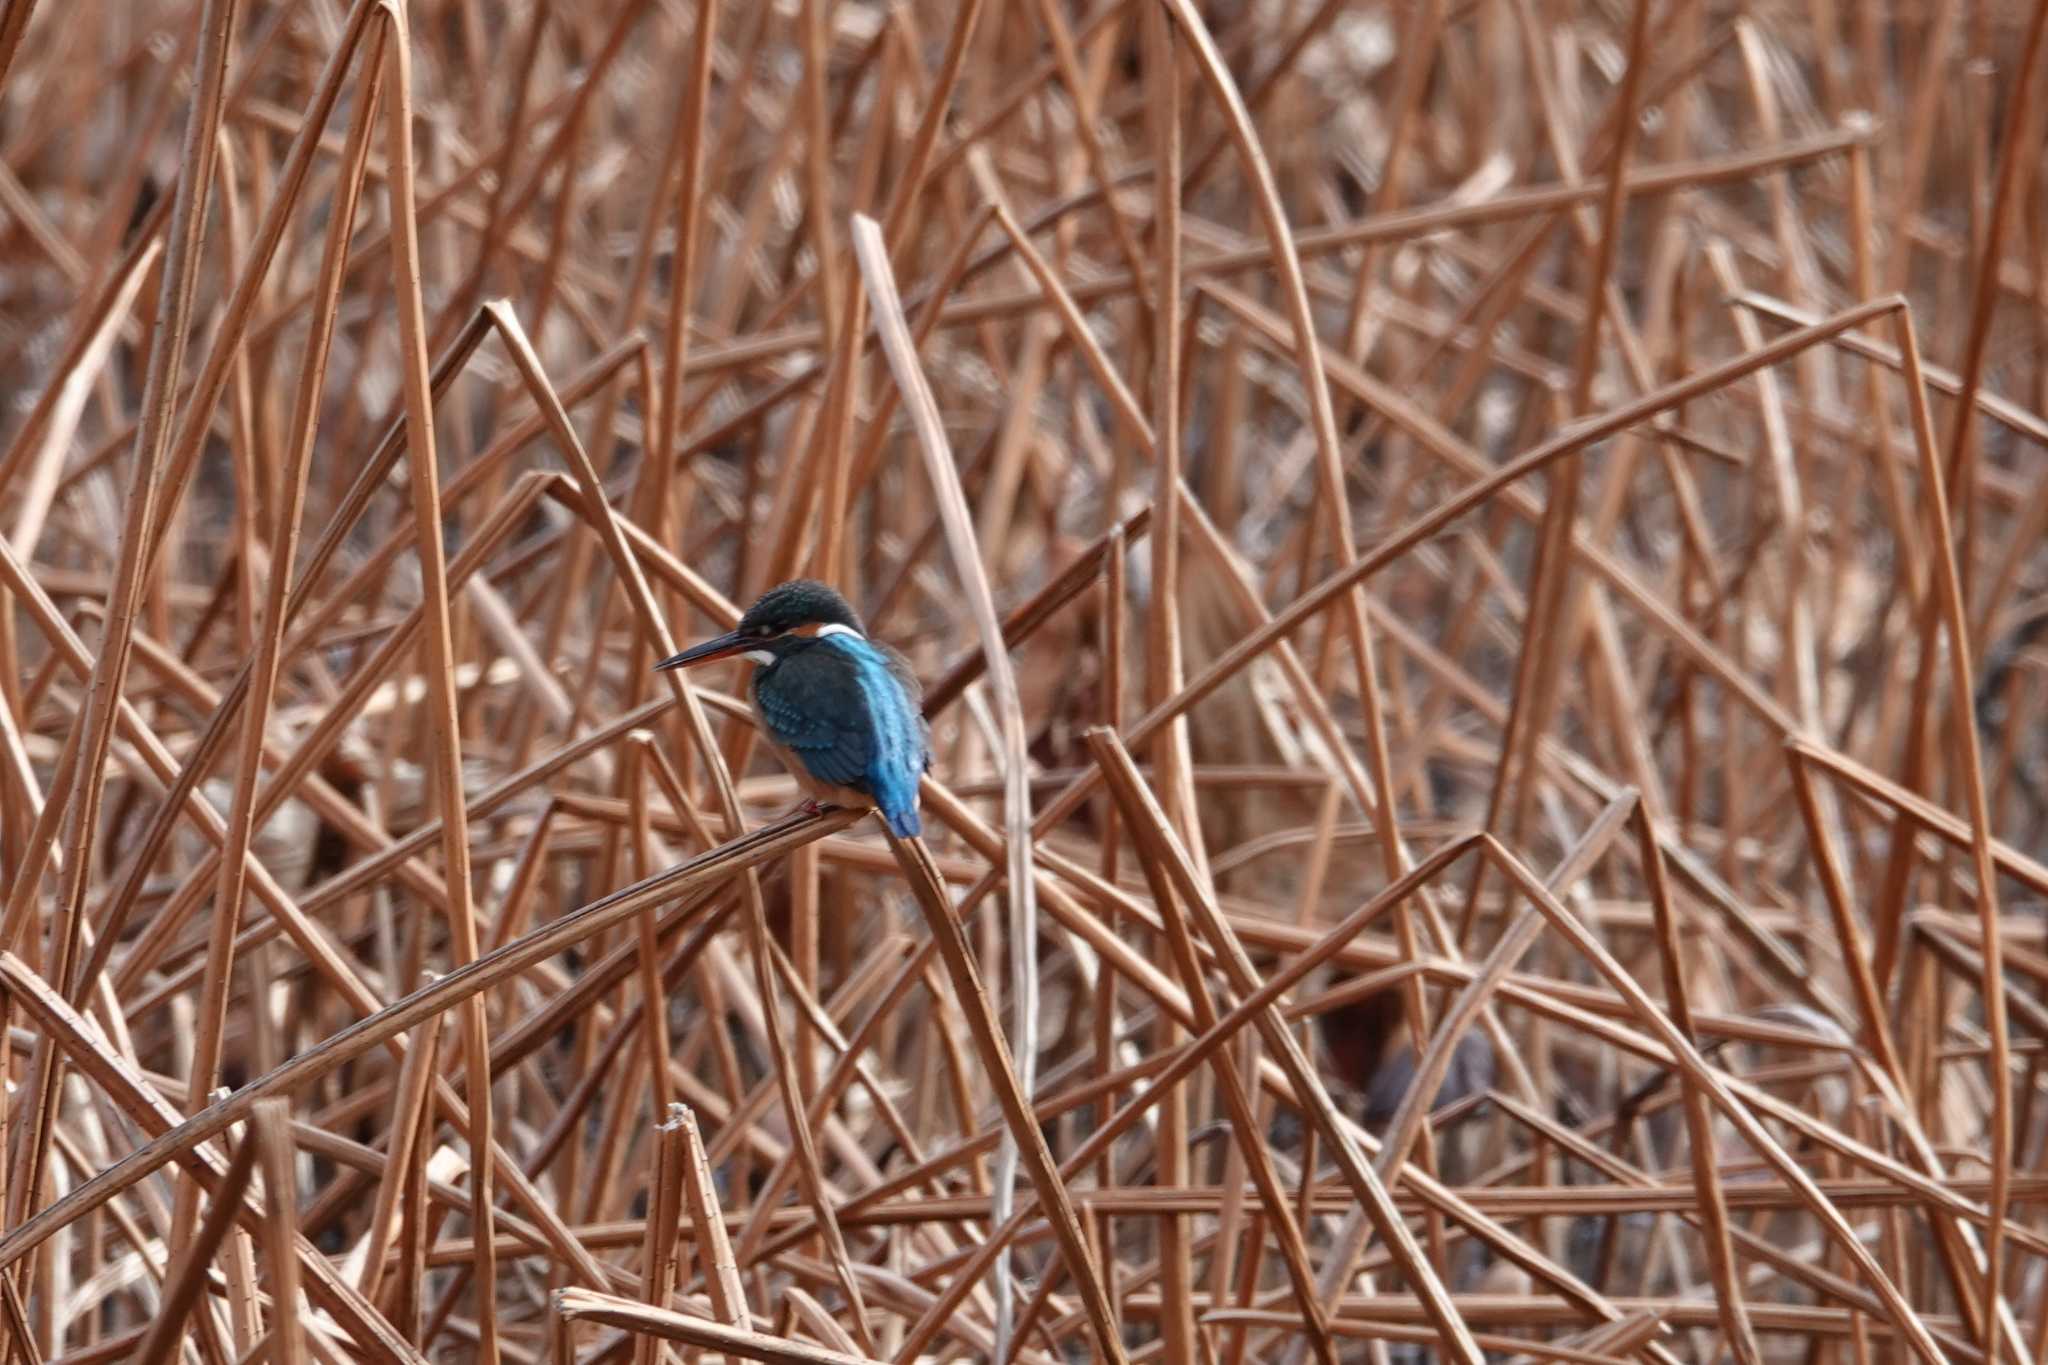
(759, 656)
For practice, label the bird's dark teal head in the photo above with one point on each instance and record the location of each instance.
(791, 606)
(784, 618)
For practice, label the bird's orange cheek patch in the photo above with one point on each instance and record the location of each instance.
(812, 630)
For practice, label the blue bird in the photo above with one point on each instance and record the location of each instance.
(843, 712)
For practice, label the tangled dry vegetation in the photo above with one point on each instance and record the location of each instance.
(1503, 825)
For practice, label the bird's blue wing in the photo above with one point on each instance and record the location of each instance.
(899, 747)
(913, 696)
(849, 714)
(812, 704)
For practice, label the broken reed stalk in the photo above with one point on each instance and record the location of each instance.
(187, 1278)
(1347, 337)
(659, 1270)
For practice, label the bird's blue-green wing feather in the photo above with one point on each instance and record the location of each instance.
(848, 710)
(809, 703)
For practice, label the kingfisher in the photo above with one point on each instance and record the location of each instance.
(843, 712)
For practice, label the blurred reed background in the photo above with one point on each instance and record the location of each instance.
(1511, 829)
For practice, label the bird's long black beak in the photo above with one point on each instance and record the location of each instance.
(720, 647)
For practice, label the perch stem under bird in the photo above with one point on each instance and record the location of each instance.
(841, 710)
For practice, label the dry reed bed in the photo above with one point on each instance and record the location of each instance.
(1512, 521)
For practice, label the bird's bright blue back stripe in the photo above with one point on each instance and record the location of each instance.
(896, 758)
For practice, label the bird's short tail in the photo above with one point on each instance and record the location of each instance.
(904, 823)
